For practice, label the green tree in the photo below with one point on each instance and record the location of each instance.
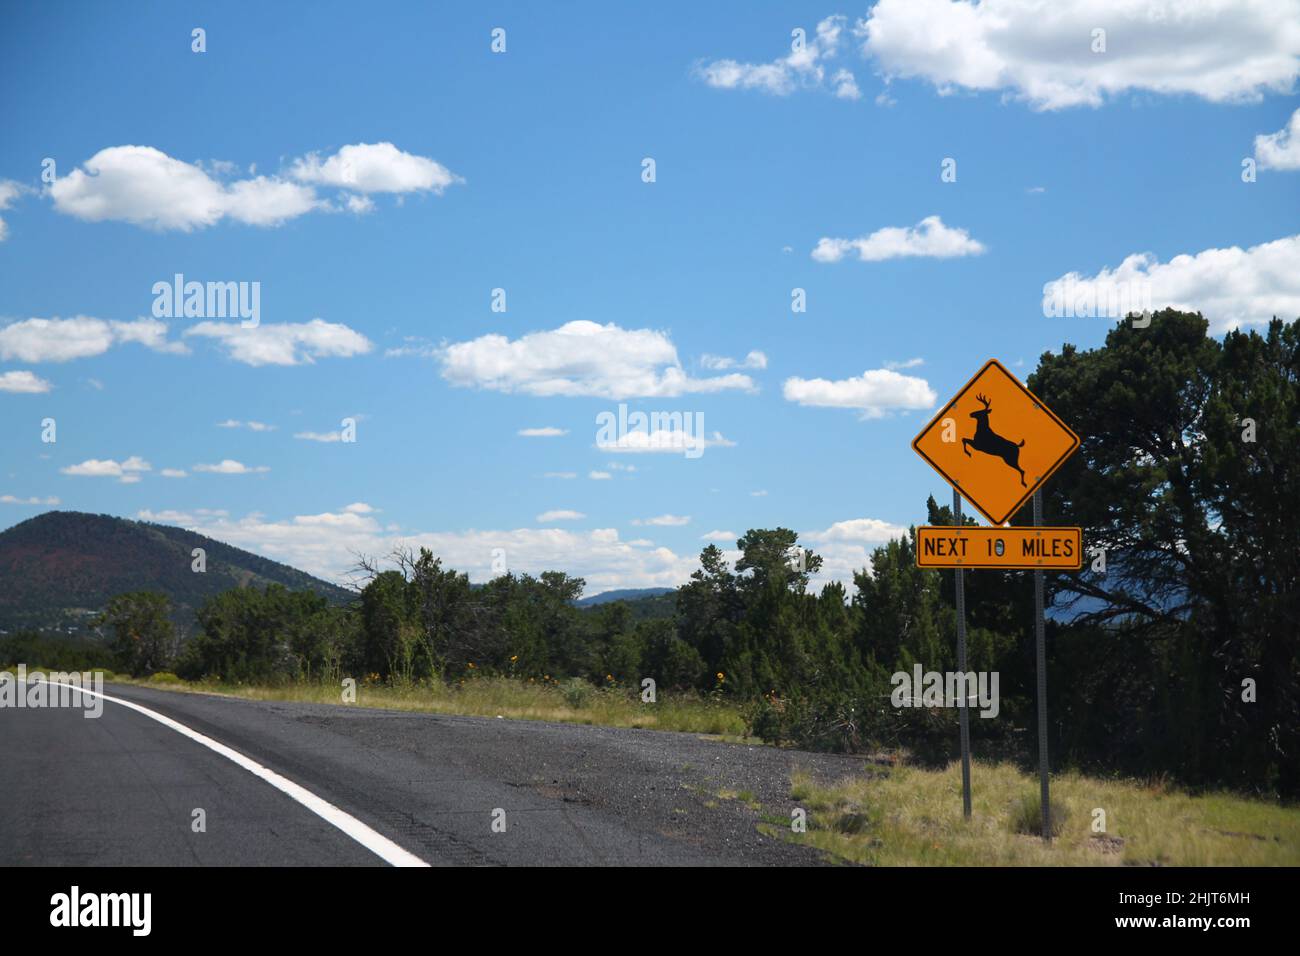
(144, 640)
(1201, 534)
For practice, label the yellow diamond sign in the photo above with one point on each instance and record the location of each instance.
(995, 442)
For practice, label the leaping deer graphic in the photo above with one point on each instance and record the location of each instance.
(991, 443)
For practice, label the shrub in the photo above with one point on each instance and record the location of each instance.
(577, 692)
(1027, 815)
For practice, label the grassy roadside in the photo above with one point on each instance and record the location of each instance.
(908, 817)
(568, 702)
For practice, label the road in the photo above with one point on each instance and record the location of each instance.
(122, 789)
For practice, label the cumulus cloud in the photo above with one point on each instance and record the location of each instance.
(228, 466)
(846, 547)
(327, 544)
(929, 238)
(285, 343)
(579, 358)
(875, 392)
(754, 360)
(729, 537)
(1042, 53)
(9, 191)
(803, 68)
(1231, 287)
(375, 168)
(1280, 150)
(128, 472)
(145, 186)
(664, 521)
(61, 340)
(174, 473)
(23, 383)
(11, 500)
(546, 432)
(559, 515)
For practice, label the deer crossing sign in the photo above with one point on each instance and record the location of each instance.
(995, 442)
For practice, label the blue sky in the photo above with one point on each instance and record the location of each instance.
(259, 160)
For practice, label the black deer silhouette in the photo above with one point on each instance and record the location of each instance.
(991, 443)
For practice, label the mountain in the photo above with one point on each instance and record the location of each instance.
(59, 569)
(624, 594)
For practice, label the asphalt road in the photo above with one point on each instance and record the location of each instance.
(122, 789)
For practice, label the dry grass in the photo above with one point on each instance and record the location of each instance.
(909, 816)
(505, 697)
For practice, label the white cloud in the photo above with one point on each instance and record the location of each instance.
(127, 472)
(286, 343)
(23, 383)
(875, 392)
(375, 168)
(846, 86)
(360, 508)
(145, 186)
(671, 441)
(600, 476)
(9, 191)
(250, 425)
(929, 238)
(730, 537)
(846, 547)
(801, 69)
(579, 358)
(228, 466)
(559, 515)
(174, 473)
(547, 432)
(1280, 150)
(11, 500)
(664, 521)
(1231, 287)
(61, 340)
(319, 436)
(561, 474)
(857, 530)
(1042, 53)
(909, 363)
(326, 545)
(754, 360)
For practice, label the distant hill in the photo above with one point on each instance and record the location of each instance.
(625, 594)
(59, 569)
(643, 604)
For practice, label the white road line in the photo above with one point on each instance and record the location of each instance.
(376, 843)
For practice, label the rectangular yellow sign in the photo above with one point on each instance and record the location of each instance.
(1006, 548)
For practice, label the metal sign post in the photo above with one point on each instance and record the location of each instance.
(1040, 653)
(996, 444)
(964, 705)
